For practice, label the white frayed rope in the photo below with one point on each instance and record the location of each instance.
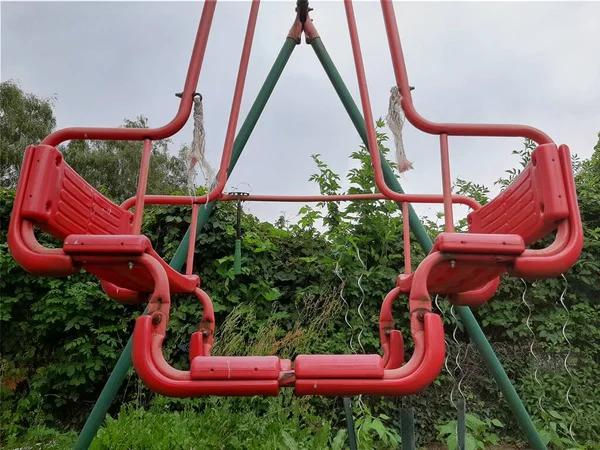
(395, 121)
(196, 155)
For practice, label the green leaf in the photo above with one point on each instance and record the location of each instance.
(470, 442)
(272, 294)
(339, 441)
(289, 440)
(379, 427)
(497, 423)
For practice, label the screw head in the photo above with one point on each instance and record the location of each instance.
(156, 318)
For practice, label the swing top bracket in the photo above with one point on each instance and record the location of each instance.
(302, 10)
(303, 24)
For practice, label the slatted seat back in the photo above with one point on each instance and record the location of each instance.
(532, 206)
(61, 202)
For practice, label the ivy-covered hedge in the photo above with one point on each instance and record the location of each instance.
(61, 337)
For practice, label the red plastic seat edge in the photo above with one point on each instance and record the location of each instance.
(338, 366)
(235, 368)
(155, 380)
(422, 377)
(23, 245)
(475, 243)
(551, 265)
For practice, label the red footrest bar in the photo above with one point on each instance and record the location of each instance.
(411, 383)
(235, 368)
(495, 244)
(338, 366)
(112, 245)
(163, 379)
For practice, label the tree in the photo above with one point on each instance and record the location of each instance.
(24, 119)
(110, 166)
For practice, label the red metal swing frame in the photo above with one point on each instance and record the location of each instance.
(105, 239)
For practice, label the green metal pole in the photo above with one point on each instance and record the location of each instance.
(237, 255)
(350, 424)
(359, 123)
(96, 417)
(407, 427)
(242, 138)
(461, 424)
(466, 315)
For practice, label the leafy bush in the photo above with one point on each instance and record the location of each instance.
(480, 434)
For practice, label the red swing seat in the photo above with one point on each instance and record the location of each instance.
(96, 233)
(541, 200)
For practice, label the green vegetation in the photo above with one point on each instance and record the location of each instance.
(61, 337)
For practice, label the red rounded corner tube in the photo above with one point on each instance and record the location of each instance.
(417, 380)
(179, 383)
(476, 297)
(22, 243)
(122, 295)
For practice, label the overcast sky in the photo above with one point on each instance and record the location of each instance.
(536, 63)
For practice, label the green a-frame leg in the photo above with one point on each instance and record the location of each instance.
(124, 362)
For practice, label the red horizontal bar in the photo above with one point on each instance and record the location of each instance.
(410, 198)
(185, 106)
(454, 129)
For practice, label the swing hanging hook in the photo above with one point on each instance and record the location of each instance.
(196, 94)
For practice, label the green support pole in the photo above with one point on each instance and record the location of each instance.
(96, 417)
(237, 257)
(350, 424)
(359, 123)
(461, 424)
(407, 428)
(242, 138)
(466, 315)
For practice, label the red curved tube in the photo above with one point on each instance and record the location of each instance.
(386, 322)
(396, 351)
(185, 106)
(182, 385)
(34, 257)
(122, 295)
(416, 359)
(476, 297)
(414, 382)
(453, 129)
(208, 320)
(23, 246)
(418, 292)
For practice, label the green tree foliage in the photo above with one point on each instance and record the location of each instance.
(112, 167)
(301, 285)
(25, 119)
(93, 160)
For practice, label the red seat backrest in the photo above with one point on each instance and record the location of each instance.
(60, 202)
(533, 204)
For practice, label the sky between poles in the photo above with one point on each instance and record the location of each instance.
(534, 63)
